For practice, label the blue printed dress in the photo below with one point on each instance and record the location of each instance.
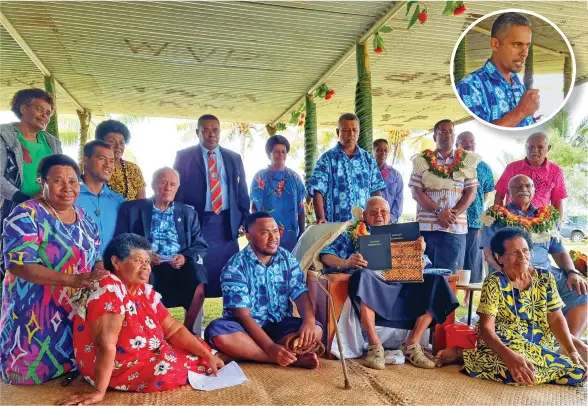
(345, 182)
(281, 194)
(35, 326)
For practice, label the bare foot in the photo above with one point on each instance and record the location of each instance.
(308, 361)
(449, 356)
(224, 357)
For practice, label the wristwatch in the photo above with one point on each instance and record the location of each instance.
(438, 210)
(569, 271)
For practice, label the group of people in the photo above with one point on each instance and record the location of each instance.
(91, 264)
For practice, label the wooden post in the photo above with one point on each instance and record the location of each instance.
(528, 78)
(363, 96)
(310, 137)
(50, 88)
(567, 72)
(85, 118)
(459, 62)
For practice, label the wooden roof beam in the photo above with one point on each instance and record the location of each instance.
(394, 9)
(35, 59)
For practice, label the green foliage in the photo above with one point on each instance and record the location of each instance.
(52, 127)
(414, 16)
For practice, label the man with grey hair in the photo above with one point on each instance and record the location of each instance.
(494, 92)
(548, 177)
(377, 302)
(572, 288)
(173, 229)
(473, 254)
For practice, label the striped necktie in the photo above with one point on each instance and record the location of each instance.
(216, 197)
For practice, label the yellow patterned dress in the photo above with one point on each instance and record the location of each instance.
(127, 180)
(521, 324)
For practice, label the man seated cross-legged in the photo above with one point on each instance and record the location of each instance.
(258, 285)
(377, 302)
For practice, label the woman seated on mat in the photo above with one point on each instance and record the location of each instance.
(408, 306)
(124, 338)
(520, 313)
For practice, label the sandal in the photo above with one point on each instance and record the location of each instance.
(375, 357)
(416, 356)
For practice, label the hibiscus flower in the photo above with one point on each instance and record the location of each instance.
(138, 342)
(162, 368)
(131, 308)
(149, 323)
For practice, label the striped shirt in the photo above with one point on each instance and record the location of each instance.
(444, 198)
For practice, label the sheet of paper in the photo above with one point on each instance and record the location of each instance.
(230, 375)
(166, 258)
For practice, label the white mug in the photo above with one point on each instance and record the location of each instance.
(464, 276)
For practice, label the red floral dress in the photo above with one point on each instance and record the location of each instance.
(145, 361)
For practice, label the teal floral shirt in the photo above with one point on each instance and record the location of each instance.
(164, 236)
(266, 290)
(345, 182)
(485, 185)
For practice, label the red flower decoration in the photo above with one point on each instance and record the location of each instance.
(378, 50)
(459, 10)
(26, 155)
(260, 183)
(330, 94)
(386, 173)
(422, 17)
(300, 123)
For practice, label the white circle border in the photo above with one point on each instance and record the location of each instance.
(516, 10)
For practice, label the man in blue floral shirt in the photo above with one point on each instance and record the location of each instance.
(345, 176)
(473, 253)
(494, 92)
(258, 286)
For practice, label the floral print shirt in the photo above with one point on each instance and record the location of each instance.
(266, 290)
(485, 185)
(144, 361)
(488, 95)
(345, 182)
(164, 235)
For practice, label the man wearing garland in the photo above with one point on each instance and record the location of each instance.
(547, 176)
(345, 176)
(444, 184)
(541, 222)
(377, 302)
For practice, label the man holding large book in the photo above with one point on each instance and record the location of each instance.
(411, 306)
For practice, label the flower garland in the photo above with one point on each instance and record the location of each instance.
(580, 261)
(359, 229)
(445, 171)
(544, 221)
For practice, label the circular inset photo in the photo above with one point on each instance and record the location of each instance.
(513, 69)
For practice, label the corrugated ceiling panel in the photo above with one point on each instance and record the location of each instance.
(250, 61)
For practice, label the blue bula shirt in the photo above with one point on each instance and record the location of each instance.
(103, 208)
(220, 165)
(489, 96)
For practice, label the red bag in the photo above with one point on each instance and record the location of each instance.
(461, 335)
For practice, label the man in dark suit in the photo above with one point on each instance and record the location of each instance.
(213, 181)
(178, 248)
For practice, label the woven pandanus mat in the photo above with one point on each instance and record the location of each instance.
(268, 385)
(447, 386)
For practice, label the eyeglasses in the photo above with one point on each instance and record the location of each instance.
(382, 213)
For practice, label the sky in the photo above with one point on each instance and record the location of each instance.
(155, 141)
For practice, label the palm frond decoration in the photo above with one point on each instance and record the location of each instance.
(363, 96)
